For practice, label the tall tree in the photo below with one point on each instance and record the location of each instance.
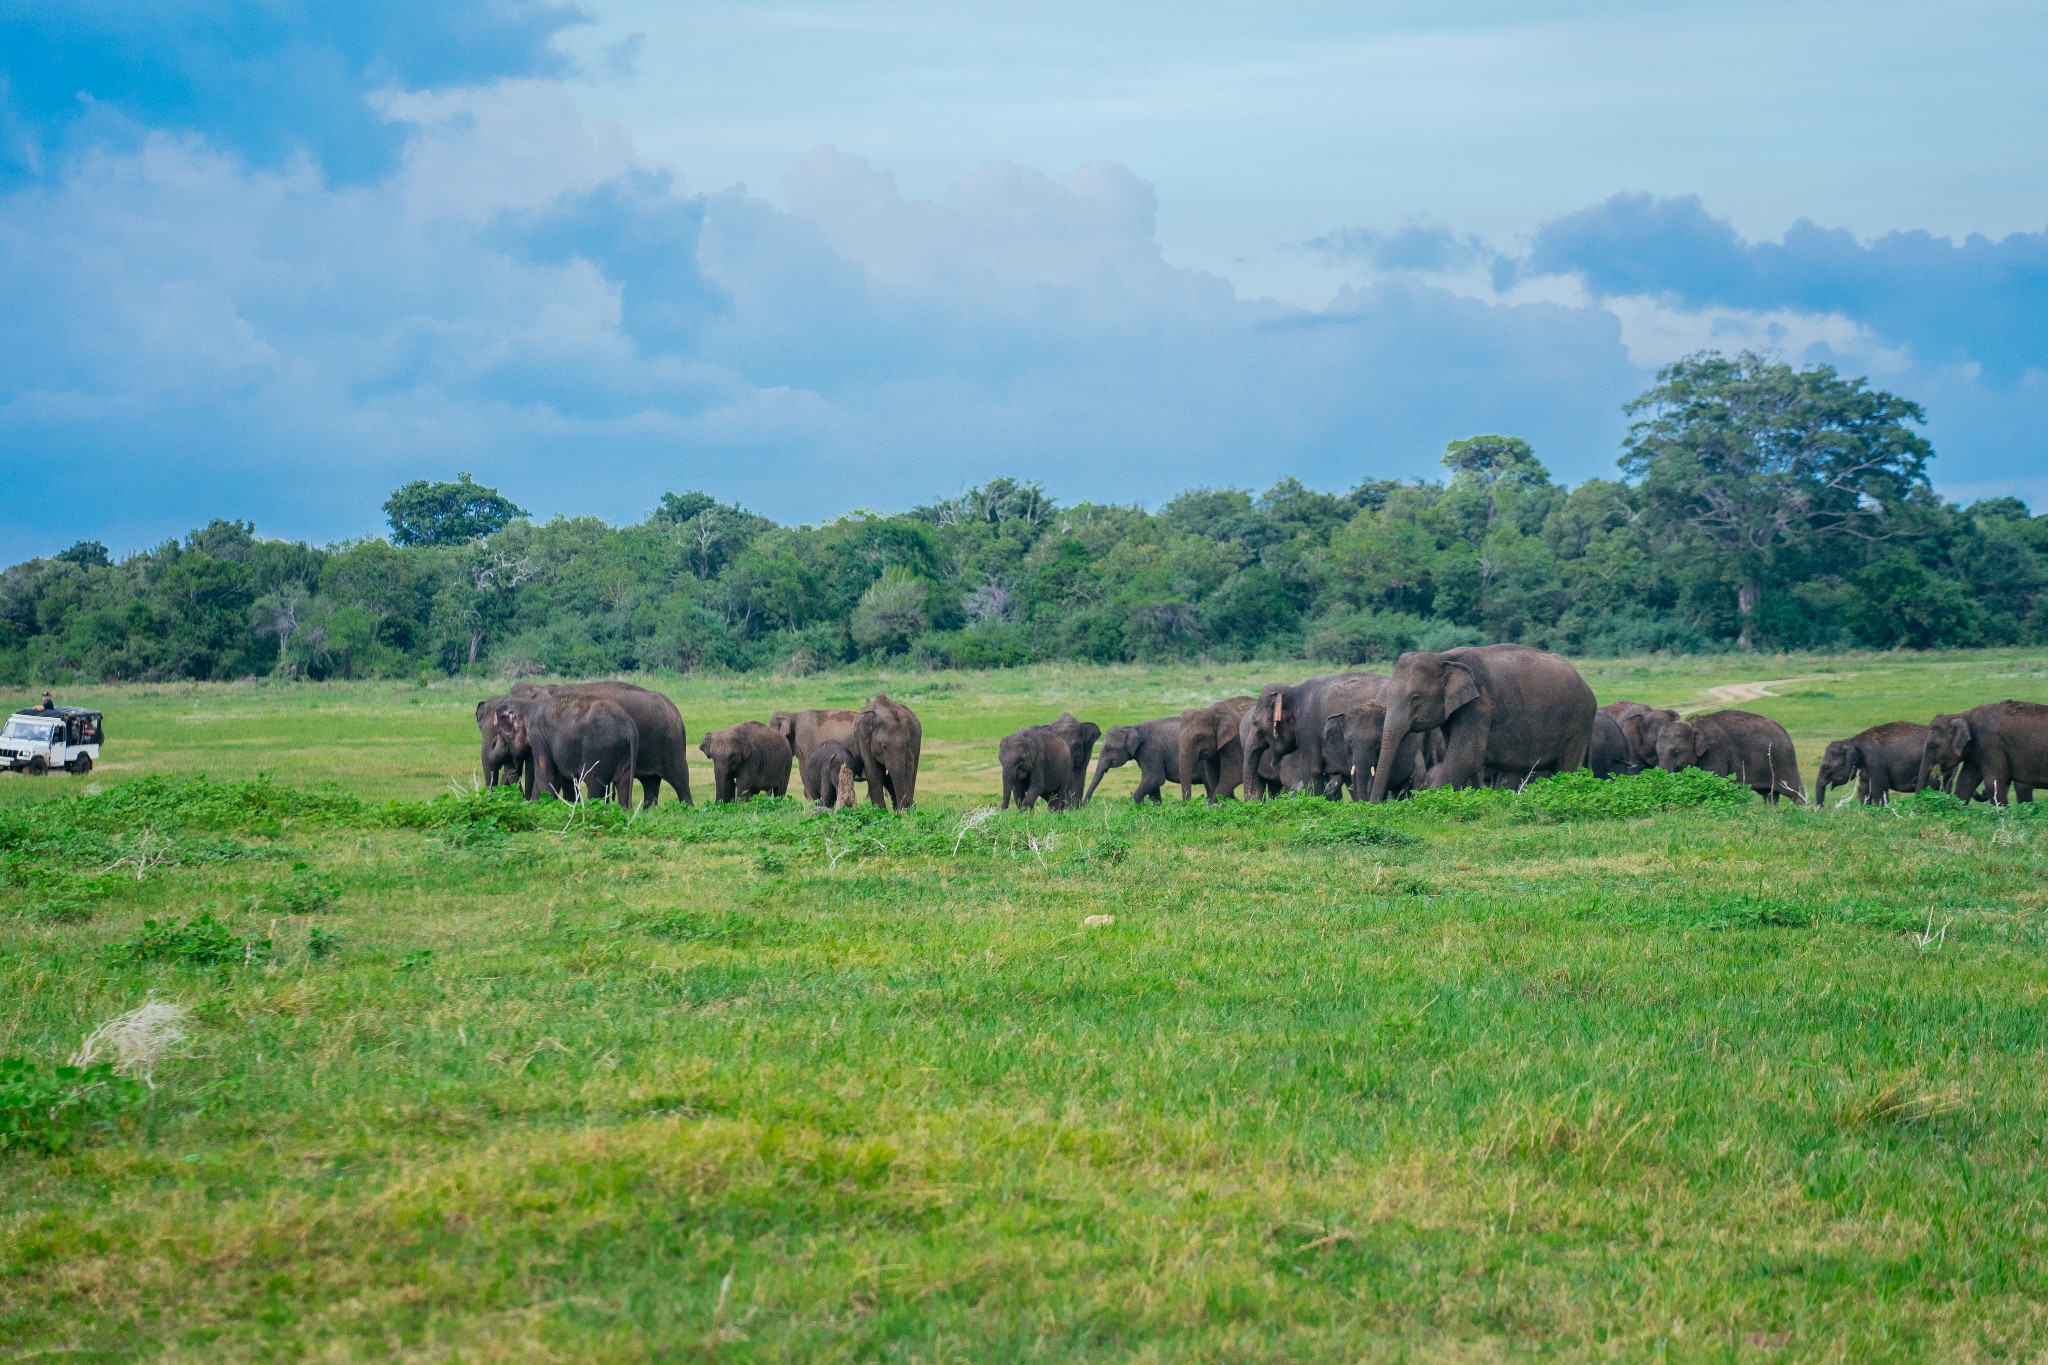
(427, 513)
(1757, 459)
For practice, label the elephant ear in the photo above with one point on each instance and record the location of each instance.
(1461, 689)
(1699, 743)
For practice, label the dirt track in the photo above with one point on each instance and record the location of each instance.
(1728, 694)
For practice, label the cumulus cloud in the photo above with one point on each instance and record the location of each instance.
(214, 315)
(268, 82)
(1976, 301)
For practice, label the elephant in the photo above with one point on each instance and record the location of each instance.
(1210, 749)
(1286, 719)
(747, 760)
(579, 743)
(1639, 726)
(805, 729)
(1610, 754)
(889, 740)
(2002, 745)
(829, 772)
(1154, 745)
(664, 752)
(1881, 760)
(1081, 736)
(1351, 741)
(1036, 763)
(1752, 749)
(503, 764)
(1506, 709)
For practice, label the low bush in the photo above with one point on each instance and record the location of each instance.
(47, 1108)
(202, 942)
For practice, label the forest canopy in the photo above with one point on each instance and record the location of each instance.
(1760, 506)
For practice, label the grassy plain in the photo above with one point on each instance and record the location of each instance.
(1447, 1081)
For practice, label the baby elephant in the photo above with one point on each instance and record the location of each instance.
(830, 769)
(1752, 749)
(1036, 763)
(747, 760)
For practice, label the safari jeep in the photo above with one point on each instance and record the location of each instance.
(36, 741)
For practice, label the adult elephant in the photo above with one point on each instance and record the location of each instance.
(504, 763)
(1639, 724)
(1081, 737)
(1037, 765)
(1210, 750)
(664, 749)
(1881, 760)
(1610, 754)
(807, 729)
(1290, 719)
(890, 741)
(1154, 745)
(1351, 744)
(747, 760)
(1752, 749)
(581, 745)
(2003, 745)
(1505, 709)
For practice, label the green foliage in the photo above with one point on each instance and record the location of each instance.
(1762, 505)
(49, 1108)
(427, 513)
(1582, 796)
(201, 942)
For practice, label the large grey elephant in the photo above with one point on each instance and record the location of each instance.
(1037, 764)
(1351, 745)
(1288, 719)
(2002, 745)
(1881, 760)
(803, 729)
(1639, 723)
(1081, 737)
(1154, 745)
(889, 740)
(747, 760)
(1211, 750)
(1752, 749)
(504, 764)
(581, 744)
(1505, 709)
(664, 742)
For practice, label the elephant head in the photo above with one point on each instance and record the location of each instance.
(1680, 745)
(1948, 741)
(1428, 689)
(784, 723)
(1839, 764)
(1119, 746)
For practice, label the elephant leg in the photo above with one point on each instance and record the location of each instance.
(1148, 787)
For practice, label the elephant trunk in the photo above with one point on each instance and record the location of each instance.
(1187, 762)
(1101, 768)
(1392, 731)
(1925, 777)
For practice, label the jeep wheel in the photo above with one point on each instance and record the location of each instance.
(82, 764)
(38, 765)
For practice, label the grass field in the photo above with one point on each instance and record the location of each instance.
(1473, 1077)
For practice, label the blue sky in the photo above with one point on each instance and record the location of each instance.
(270, 260)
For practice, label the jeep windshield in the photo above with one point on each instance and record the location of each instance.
(32, 730)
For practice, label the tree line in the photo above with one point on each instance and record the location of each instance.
(1758, 506)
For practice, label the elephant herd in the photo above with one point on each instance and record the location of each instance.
(1487, 715)
(573, 740)
(1503, 715)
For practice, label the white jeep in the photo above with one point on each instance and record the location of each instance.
(36, 741)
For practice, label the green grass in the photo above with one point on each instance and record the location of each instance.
(1630, 1071)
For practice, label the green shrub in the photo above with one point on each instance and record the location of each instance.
(46, 1109)
(1582, 796)
(202, 942)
